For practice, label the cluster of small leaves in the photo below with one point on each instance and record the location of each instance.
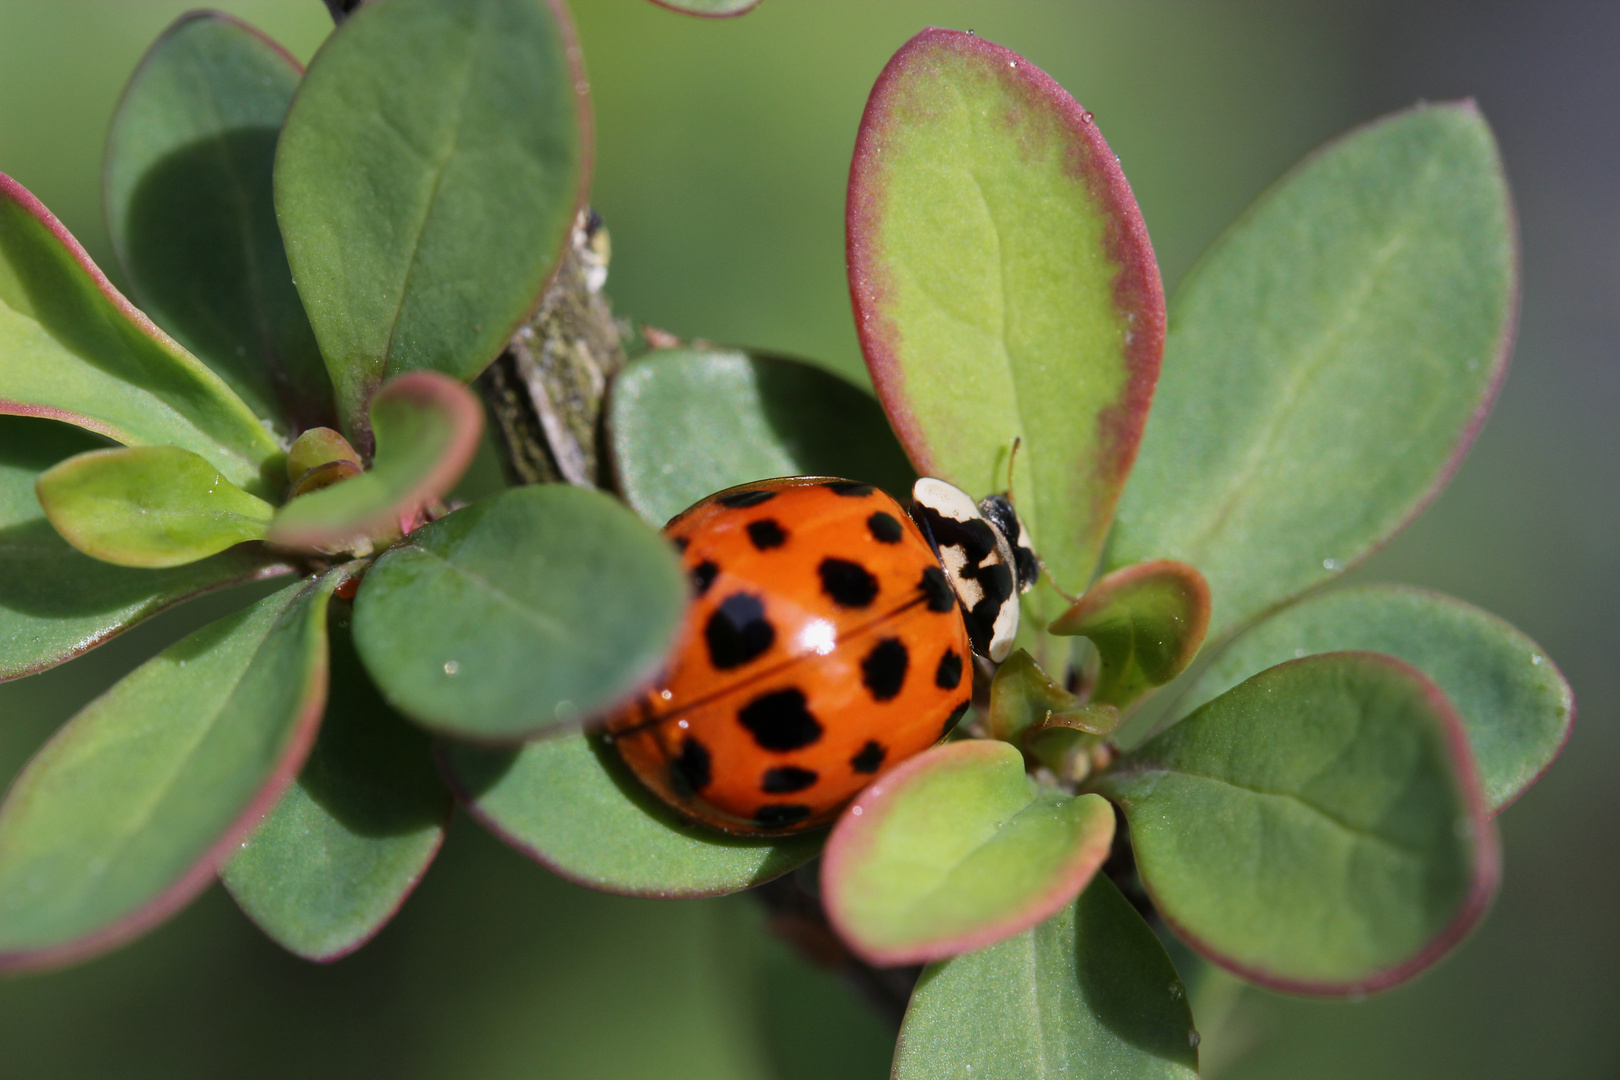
(335, 253)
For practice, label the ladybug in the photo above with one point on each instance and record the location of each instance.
(829, 640)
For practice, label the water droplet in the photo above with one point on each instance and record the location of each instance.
(682, 724)
(1298, 653)
(1193, 1038)
(855, 811)
(1011, 64)
(451, 667)
(1176, 992)
(1085, 115)
(665, 694)
(563, 709)
(1536, 660)
(1330, 564)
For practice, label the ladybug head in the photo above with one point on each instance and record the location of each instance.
(984, 550)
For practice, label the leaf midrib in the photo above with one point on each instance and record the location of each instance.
(1356, 832)
(1237, 489)
(117, 847)
(439, 168)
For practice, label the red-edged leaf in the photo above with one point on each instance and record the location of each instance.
(954, 850)
(1004, 287)
(427, 427)
(124, 815)
(1147, 622)
(73, 349)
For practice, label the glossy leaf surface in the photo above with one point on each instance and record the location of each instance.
(687, 422)
(149, 506)
(1318, 828)
(72, 348)
(570, 803)
(1087, 993)
(1331, 357)
(1147, 622)
(353, 835)
(954, 850)
(1004, 287)
(123, 816)
(427, 178)
(191, 215)
(1513, 702)
(56, 602)
(426, 430)
(538, 607)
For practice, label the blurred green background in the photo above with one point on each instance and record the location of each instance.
(722, 152)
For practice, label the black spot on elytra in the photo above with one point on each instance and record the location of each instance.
(681, 544)
(738, 631)
(849, 584)
(885, 528)
(737, 500)
(884, 669)
(870, 758)
(703, 575)
(849, 488)
(690, 771)
(937, 587)
(955, 718)
(780, 815)
(766, 534)
(949, 672)
(780, 721)
(786, 780)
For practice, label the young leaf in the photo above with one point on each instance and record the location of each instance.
(123, 816)
(191, 215)
(710, 9)
(1022, 696)
(1147, 622)
(954, 850)
(354, 834)
(1318, 829)
(536, 608)
(55, 602)
(1332, 356)
(1087, 993)
(684, 423)
(1513, 702)
(426, 428)
(148, 506)
(570, 803)
(1004, 286)
(73, 349)
(427, 178)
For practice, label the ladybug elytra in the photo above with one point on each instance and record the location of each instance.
(828, 641)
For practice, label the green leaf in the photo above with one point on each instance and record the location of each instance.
(685, 423)
(954, 850)
(570, 803)
(1147, 622)
(427, 178)
(55, 602)
(1088, 993)
(1513, 702)
(426, 428)
(539, 607)
(1004, 287)
(123, 816)
(1329, 362)
(351, 838)
(73, 349)
(149, 506)
(710, 9)
(1031, 711)
(1318, 829)
(192, 219)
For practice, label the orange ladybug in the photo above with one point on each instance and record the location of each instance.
(829, 640)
